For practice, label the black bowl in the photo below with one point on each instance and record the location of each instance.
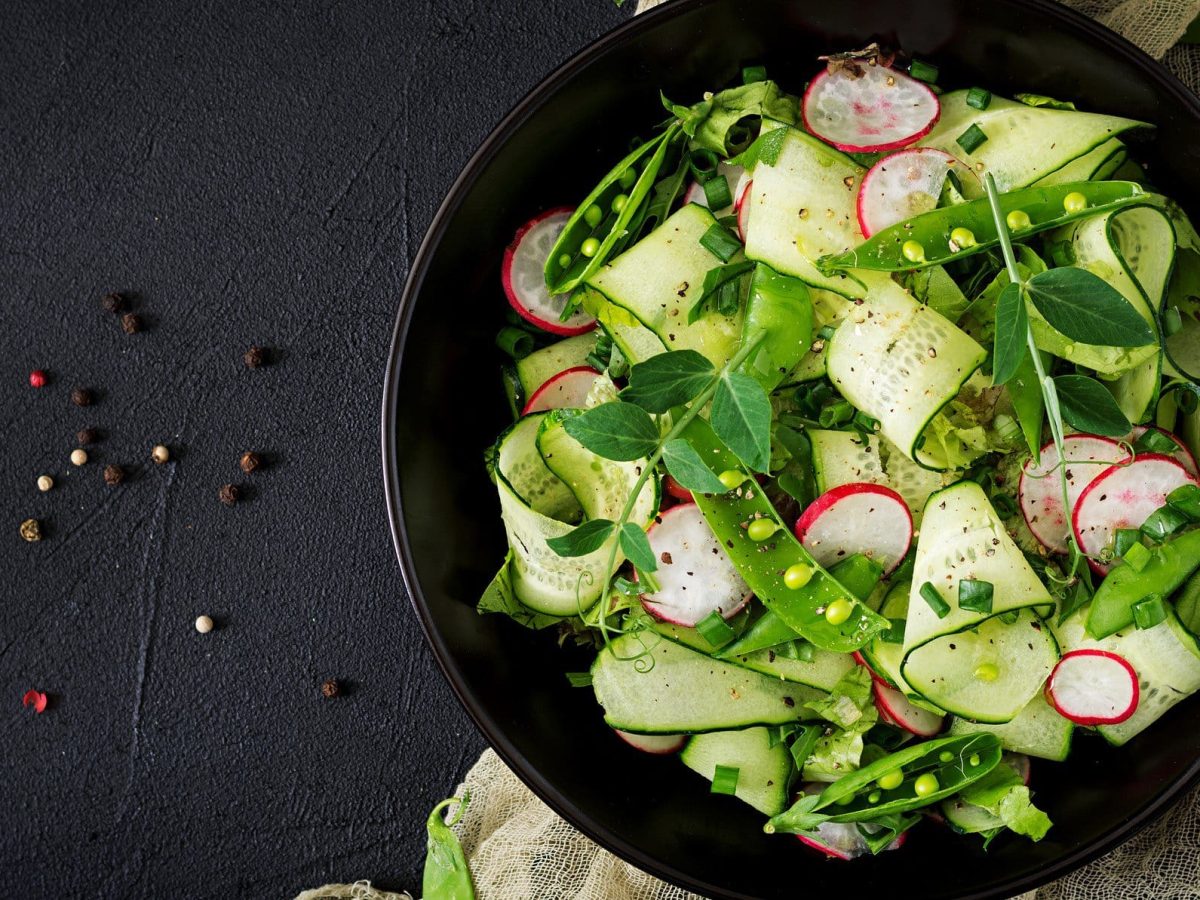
(442, 406)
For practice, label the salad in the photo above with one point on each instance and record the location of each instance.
(855, 432)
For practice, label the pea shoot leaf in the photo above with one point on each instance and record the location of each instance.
(1028, 403)
(686, 467)
(741, 418)
(667, 380)
(1012, 329)
(587, 538)
(1086, 308)
(1088, 406)
(636, 547)
(619, 431)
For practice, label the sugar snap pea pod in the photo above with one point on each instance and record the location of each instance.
(817, 606)
(908, 779)
(858, 574)
(447, 875)
(1169, 566)
(954, 232)
(780, 307)
(602, 224)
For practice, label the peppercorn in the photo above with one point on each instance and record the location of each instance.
(250, 461)
(204, 624)
(37, 378)
(255, 357)
(87, 436)
(113, 474)
(45, 483)
(113, 302)
(330, 688)
(82, 396)
(131, 323)
(160, 454)
(31, 530)
(79, 456)
(229, 494)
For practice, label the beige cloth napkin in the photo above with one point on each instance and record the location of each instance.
(519, 850)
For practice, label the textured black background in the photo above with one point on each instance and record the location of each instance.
(256, 172)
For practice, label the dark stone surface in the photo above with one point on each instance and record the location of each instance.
(256, 173)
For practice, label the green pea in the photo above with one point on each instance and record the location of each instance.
(761, 529)
(945, 756)
(889, 781)
(628, 179)
(962, 238)
(873, 797)
(797, 576)
(731, 478)
(913, 252)
(564, 260)
(1017, 220)
(592, 215)
(846, 801)
(925, 784)
(1075, 202)
(619, 202)
(974, 759)
(590, 247)
(838, 611)
(987, 671)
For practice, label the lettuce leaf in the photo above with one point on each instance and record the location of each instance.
(834, 755)
(499, 597)
(851, 704)
(1002, 793)
(708, 122)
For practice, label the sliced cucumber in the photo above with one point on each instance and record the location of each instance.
(901, 363)
(913, 482)
(967, 662)
(764, 771)
(1038, 730)
(636, 342)
(967, 818)
(1107, 157)
(540, 366)
(845, 457)
(516, 461)
(802, 208)
(661, 277)
(648, 684)
(828, 309)
(823, 671)
(1024, 143)
(1165, 658)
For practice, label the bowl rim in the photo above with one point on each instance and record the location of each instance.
(492, 730)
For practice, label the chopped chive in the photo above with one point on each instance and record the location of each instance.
(825, 332)
(579, 679)
(1124, 538)
(923, 71)
(804, 744)
(895, 632)
(751, 74)
(971, 139)
(1136, 556)
(725, 779)
(798, 649)
(1010, 617)
(931, 596)
(1154, 441)
(979, 98)
(864, 422)
(1188, 401)
(720, 243)
(837, 413)
(1149, 612)
(516, 342)
(1186, 499)
(703, 164)
(1062, 253)
(1172, 321)
(1163, 523)
(975, 596)
(714, 629)
(716, 192)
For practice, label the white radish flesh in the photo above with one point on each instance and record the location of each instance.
(655, 744)
(901, 186)
(842, 840)
(857, 518)
(735, 177)
(568, 389)
(1181, 453)
(904, 714)
(523, 276)
(695, 576)
(1093, 687)
(881, 109)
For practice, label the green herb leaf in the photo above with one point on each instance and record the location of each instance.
(975, 596)
(587, 538)
(667, 380)
(636, 548)
(1088, 406)
(1042, 100)
(616, 430)
(741, 418)
(723, 289)
(686, 467)
(1086, 308)
(1076, 597)
(1012, 330)
(709, 122)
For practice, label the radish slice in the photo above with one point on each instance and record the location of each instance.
(875, 676)
(912, 719)
(1093, 687)
(522, 272)
(743, 209)
(566, 390)
(1040, 492)
(857, 518)
(1183, 454)
(878, 109)
(901, 186)
(677, 490)
(738, 181)
(842, 840)
(656, 744)
(1019, 763)
(694, 573)
(1124, 497)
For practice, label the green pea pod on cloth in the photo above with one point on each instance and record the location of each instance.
(447, 876)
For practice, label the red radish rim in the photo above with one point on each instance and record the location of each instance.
(506, 279)
(550, 382)
(677, 490)
(828, 851)
(868, 148)
(632, 739)
(886, 703)
(876, 677)
(858, 201)
(815, 509)
(742, 210)
(1095, 720)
